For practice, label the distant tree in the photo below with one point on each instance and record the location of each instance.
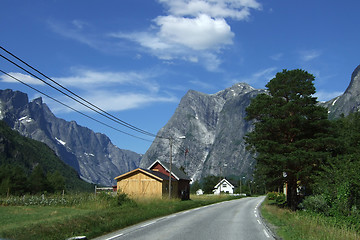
(194, 187)
(291, 131)
(19, 181)
(13, 180)
(56, 181)
(209, 182)
(38, 181)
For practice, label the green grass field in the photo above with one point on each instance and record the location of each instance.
(90, 217)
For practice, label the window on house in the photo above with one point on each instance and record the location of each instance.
(224, 185)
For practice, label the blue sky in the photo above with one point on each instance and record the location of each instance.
(137, 58)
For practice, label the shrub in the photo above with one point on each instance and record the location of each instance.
(122, 199)
(272, 195)
(277, 198)
(281, 199)
(316, 203)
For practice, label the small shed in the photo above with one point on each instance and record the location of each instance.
(154, 182)
(199, 192)
(224, 186)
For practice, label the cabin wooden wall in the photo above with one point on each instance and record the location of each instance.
(140, 185)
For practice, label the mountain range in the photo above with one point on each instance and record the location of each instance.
(91, 154)
(19, 156)
(206, 133)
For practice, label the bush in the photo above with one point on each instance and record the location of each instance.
(272, 195)
(281, 199)
(277, 198)
(122, 199)
(316, 203)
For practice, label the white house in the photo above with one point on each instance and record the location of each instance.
(224, 186)
(199, 192)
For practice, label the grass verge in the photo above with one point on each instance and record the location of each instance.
(305, 226)
(92, 218)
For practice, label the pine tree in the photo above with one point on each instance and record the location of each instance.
(291, 132)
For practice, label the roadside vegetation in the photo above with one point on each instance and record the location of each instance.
(314, 158)
(305, 225)
(65, 216)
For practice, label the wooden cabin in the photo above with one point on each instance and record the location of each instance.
(154, 182)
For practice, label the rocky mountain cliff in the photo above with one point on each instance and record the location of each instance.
(214, 128)
(91, 154)
(349, 101)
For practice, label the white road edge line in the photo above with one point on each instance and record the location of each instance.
(114, 236)
(266, 234)
(259, 221)
(147, 224)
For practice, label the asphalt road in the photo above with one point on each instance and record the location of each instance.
(236, 219)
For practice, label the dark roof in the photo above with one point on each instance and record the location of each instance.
(146, 171)
(223, 180)
(174, 170)
(156, 173)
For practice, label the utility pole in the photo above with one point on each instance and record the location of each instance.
(240, 186)
(241, 183)
(170, 142)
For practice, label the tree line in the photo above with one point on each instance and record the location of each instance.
(14, 181)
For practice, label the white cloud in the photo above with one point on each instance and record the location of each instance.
(200, 33)
(111, 91)
(326, 96)
(80, 31)
(165, 50)
(258, 79)
(202, 84)
(277, 57)
(22, 77)
(191, 30)
(117, 101)
(309, 55)
(194, 30)
(196, 40)
(267, 73)
(236, 9)
(79, 24)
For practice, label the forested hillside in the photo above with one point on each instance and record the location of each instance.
(29, 166)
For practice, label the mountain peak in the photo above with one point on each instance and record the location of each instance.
(12, 98)
(354, 86)
(38, 101)
(349, 101)
(235, 90)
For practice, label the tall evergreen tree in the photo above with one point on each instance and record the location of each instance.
(56, 181)
(38, 180)
(290, 132)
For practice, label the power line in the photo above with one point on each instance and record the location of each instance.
(75, 110)
(93, 107)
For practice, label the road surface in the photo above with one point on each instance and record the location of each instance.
(236, 219)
